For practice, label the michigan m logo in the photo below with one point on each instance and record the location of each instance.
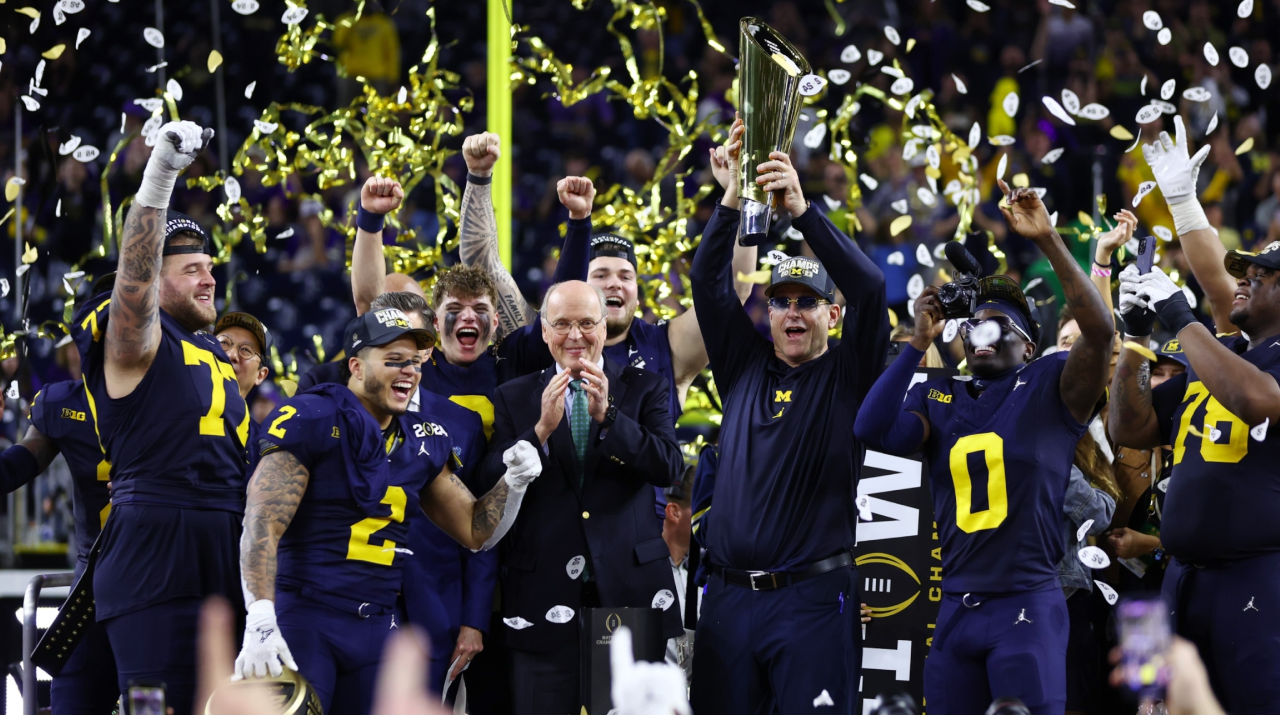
(781, 396)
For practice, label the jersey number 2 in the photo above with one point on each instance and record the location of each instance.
(359, 549)
(992, 448)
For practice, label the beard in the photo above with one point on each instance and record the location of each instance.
(190, 314)
(376, 391)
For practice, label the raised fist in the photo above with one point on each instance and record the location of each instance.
(481, 152)
(381, 195)
(178, 144)
(577, 193)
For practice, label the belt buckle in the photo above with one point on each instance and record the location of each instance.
(360, 611)
(773, 578)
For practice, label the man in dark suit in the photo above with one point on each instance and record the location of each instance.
(586, 536)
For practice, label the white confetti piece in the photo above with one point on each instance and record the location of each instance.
(81, 35)
(69, 145)
(923, 256)
(823, 700)
(1164, 107)
(71, 7)
(1163, 485)
(293, 15)
(4, 287)
(560, 614)
(975, 135)
(838, 76)
(517, 623)
(248, 91)
(12, 393)
(775, 257)
(934, 158)
(1196, 94)
(1002, 140)
(232, 189)
(813, 138)
(154, 37)
(949, 330)
(1210, 54)
(902, 86)
(1010, 104)
(1260, 432)
(924, 131)
(575, 567)
(57, 210)
(977, 6)
(850, 55)
(1213, 124)
(1143, 189)
(1052, 156)
(31, 103)
(811, 84)
(1165, 36)
(1033, 64)
(287, 233)
(959, 84)
(1213, 433)
(987, 333)
(892, 71)
(1004, 164)
(1166, 89)
(1093, 557)
(933, 183)
(910, 149)
(1056, 110)
(149, 129)
(912, 105)
(869, 182)
(1262, 76)
(22, 269)
(1053, 219)
(269, 127)
(1148, 114)
(59, 16)
(892, 35)
(1238, 56)
(1142, 87)
(952, 187)
(1083, 531)
(663, 599)
(900, 206)
(152, 69)
(915, 286)
(863, 502)
(896, 258)
(1107, 592)
(1151, 19)
(1094, 111)
(1070, 101)
(1162, 232)
(34, 24)
(1244, 9)
(874, 56)
(174, 89)
(245, 7)
(151, 104)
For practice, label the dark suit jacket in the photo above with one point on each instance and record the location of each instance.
(608, 520)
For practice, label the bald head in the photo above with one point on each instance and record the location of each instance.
(400, 283)
(567, 307)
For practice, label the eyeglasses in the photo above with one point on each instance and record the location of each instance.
(804, 302)
(1006, 325)
(244, 351)
(562, 327)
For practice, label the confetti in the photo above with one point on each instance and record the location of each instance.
(1004, 164)
(1164, 107)
(811, 85)
(1245, 146)
(1052, 156)
(1010, 104)
(1094, 111)
(1210, 54)
(1062, 3)
(294, 15)
(922, 253)
(12, 392)
(81, 35)
(1142, 350)
(245, 7)
(1262, 76)
(869, 181)
(1238, 56)
(1033, 64)
(912, 105)
(560, 614)
(1053, 219)
(232, 189)
(850, 54)
(1002, 140)
(892, 71)
(151, 104)
(154, 37)
(69, 145)
(517, 623)
(949, 330)
(1070, 101)
(1163, 232)
(663, 599)
(85, 154)
(915, 284)
(978, 6)
(4, 287)
(31, 254)
(900, 206)
(1107, 592)
(899, 225)
(892, 35)
(1163, 484)
(1196, 94)
(12, 187)
(1151, 19)
(174, 89)
(932, 156)
(1166, 89)
(824, 698)
(959, 84)
(975, 135)
(1056, 110)
(57, 209)
(1165, 36)
(987, 333)
(1245, 9)
(270, 127)
(153, 68)
(1148, 114)
(1213, 124)
(1142, 88)
(1260, 432)
(863, 502)
(248, 91)
(215, 60)
(30, 103)
(839, 76)
(55, 52)
(59, 16)
(874, 56)
(896, 258)
(1083, 531)
(774, 257)
(575, 567)
(1021, 181)
(1143, 189)
(902, 86)
(1093, 557)
(813, 138)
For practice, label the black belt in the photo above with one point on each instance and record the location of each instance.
(771, 580)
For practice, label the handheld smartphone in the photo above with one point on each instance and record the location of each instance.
(146, 699)
(1146, 253)
(1144, 639)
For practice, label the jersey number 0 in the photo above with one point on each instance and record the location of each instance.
(992, 448)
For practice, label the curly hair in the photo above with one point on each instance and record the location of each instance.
(464, 282)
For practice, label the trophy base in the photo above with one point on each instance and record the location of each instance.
(753, 226)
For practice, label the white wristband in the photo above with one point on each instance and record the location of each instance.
(1188, 216)
(515, 495)
(262, 605)
(157, 187)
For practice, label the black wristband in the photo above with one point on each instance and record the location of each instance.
(369, 221)
(1138, 321)
(1102, 265)
(482, 180)
(1175, 312)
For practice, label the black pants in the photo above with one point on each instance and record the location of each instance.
(550, 683)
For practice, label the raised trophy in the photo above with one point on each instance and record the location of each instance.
(770, 70)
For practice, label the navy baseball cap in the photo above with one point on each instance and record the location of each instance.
(176, 222)
(379, 327)
(1237, 262)
(615, 246)
(1172, 350)
(802, 271)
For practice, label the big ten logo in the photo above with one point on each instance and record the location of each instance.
(425, 429)
(889, 585)
(940, 396)
(73, 415)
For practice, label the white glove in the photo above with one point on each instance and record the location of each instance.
(1130, 281)
(523, 464)
(264, 649)
(1175, 170)
(644, 688)
(177, 145)
(1156, 287)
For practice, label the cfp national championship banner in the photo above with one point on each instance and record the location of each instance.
(899, 562)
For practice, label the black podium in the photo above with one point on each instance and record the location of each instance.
(598, 625)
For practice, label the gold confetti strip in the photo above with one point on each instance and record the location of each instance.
(1245, 147)
(1142, 350)
(1119, 132)
(54, 52)
(215, 60)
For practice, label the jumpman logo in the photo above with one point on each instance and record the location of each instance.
(1272, 345)
(393, 621)
(1018, 384)
(1022, 618)
(1250, 605)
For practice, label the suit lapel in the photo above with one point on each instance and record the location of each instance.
(561, 441)
(612, 371)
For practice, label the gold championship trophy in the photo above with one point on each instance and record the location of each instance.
(769, 73)
(288, 694)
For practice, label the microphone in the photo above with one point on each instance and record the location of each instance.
(962, 259)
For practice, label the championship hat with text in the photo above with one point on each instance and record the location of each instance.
(802, 271)
(379, 327)
(1237, 262)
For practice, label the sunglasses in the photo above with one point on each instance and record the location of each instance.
(804, 302)
(1006, 326)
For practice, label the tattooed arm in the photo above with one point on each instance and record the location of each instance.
(274, 495)
(479, 523)
(1132, 420)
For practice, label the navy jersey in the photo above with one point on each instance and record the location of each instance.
(648, 347)
(999, 464)
(1224, 492)
(179, 438)
(472, 386)
(62, 413)
(349, 538)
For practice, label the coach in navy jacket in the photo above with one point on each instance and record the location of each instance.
(585, 535)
